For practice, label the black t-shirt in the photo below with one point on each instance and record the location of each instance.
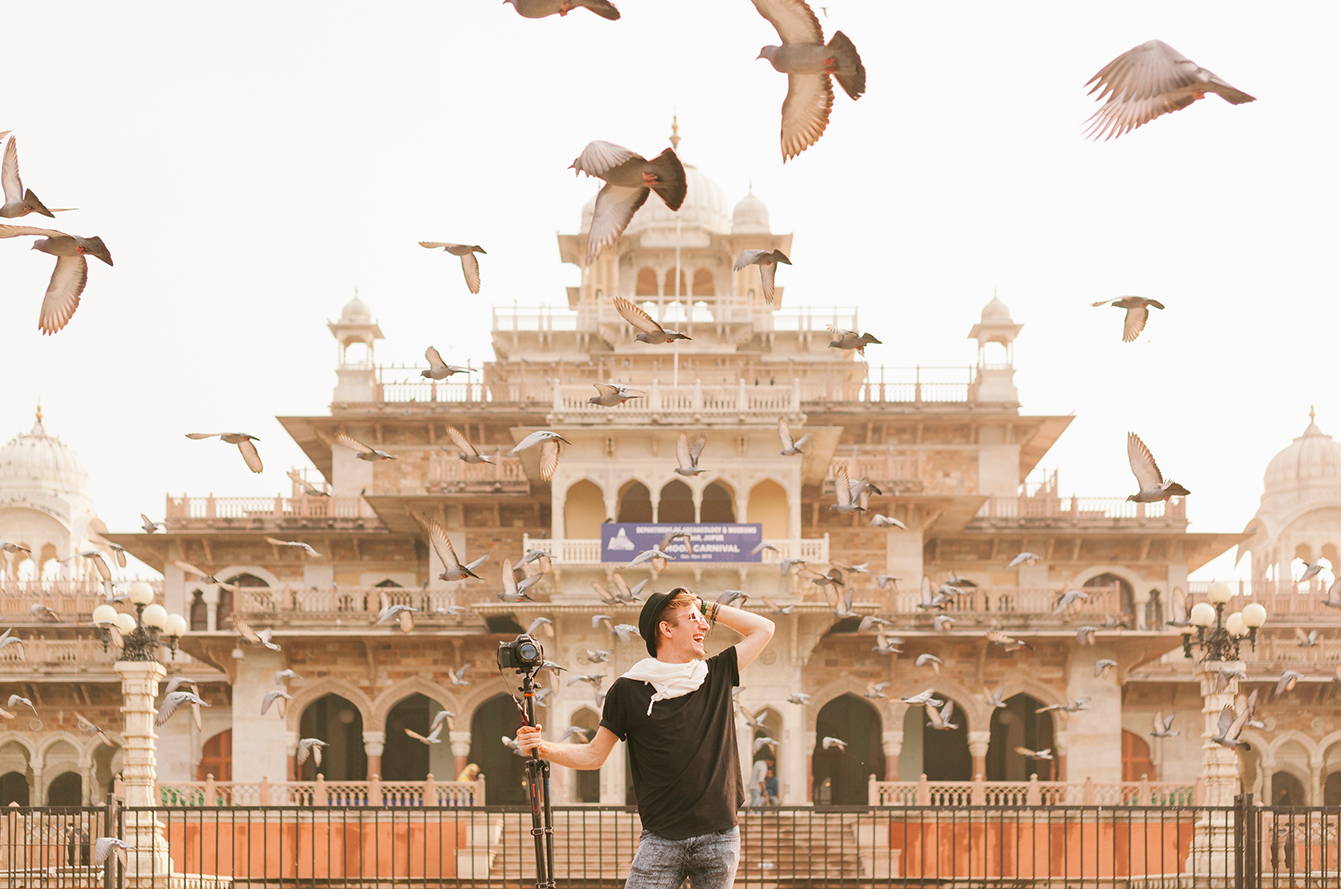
(686, 771)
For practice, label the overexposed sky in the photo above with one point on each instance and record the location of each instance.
(250, 164)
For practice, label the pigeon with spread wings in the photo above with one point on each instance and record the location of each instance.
(808, 63)
(439, 369)
(549, 450)
(245, 444)
(19, 201)
(790, 447)
(767, 260)
(1137, 313)
(362, 451)
(649, 331)
(1153, 485)
(470, 266)
(629, 179)
(1146, 81)
(539, 9)
(453, 569)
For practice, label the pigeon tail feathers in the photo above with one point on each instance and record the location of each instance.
(850, 72)
(671, 186)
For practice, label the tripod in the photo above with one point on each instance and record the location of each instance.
(537, 783)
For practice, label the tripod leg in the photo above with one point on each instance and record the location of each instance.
(548, 827)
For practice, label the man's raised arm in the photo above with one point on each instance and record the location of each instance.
(756, 629)
(588, 756)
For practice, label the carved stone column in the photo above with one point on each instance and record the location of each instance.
(1212, 851)
(977, 743)
(373, 743)
(147, 847)
(460, 742)
(892, 743)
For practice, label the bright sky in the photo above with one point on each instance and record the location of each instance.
(250, 164)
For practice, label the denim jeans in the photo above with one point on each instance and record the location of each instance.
(709, 860)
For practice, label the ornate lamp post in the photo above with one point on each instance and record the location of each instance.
(140, 670)
(1218, 640)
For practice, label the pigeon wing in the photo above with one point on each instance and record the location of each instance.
(696, 450)
(470, 267)
(794, 20)
(842, 488)
(62, 297)
(784, 434)
(459, 439)
(434, 358)
(768, 273)
(805, 112)
(636, 316)
(615, 206)
(1134, 323)
(599, 158)
(1142, 463)
(9, 173)
(549, 458)
(19, 231)
(250, 455)
(442, 544)
(349, 441)
(682, 456)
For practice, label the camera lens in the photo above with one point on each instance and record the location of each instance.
(528, 651)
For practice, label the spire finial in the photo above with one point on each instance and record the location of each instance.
(38, 413)
(675, 133)
(1312, 414)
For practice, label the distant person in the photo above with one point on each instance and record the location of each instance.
(771, 785)
(758, 778)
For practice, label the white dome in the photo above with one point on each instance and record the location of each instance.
(34, 462)
(750, 217)
(995, 312)
(1311, 458)
(356, 311)
(704, 207)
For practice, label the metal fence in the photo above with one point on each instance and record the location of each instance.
(1242, 846)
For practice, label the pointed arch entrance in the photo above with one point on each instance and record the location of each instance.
(840, 776)
(404, 758)
(1019, 724)
(337, 721)
(941, 755)
(503, 770)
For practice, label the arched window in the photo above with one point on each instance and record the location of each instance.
(945, 752)
(669, 287)
(635, 503)
(404, 758)
(1019, 724)
(768, 507)
(704, 285)
(338, 722)
(646, 284)
(1287, 790)
(200, 612)
(216, 757)
(677, 503)
(13, 788)
(1126, 596)
(840, 776)
(1331, 790)
(584, 511)
(1136, 762)
(388, 584)
(718, 505)
(66, 789)
(503, 770)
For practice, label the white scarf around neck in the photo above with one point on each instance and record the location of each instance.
(668, 680)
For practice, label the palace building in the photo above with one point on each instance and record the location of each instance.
(948, 450)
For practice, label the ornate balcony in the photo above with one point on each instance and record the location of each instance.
(693, 402)
(322, 793)
(345, 607)
(957, 794)
(1052, 511)
(1013, 606)
(588, 552)
(72, 600)
(891, 473)
(55, 657)
(235, 513)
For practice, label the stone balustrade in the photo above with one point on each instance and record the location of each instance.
(1013, 605)
(675, 403)
(953, 794)
(1049, 510)
(374, 792)
(45, 657)
(266, 512)
(588, 552)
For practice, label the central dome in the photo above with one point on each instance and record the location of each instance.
(704, 207)
(35, 462)
(1311, 458)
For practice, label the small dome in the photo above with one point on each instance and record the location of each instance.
(995, 312)
(356, 311)
(35, 462)
(1311, 458)
(750, 217)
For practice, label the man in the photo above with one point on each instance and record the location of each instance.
(675, 710)
(758, 777)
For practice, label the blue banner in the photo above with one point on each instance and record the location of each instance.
(622, 541)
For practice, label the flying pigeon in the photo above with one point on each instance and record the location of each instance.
(790, 448)
(540, 623)
(1153, 485)
(831, 743)
(871, 622)
(926, 696)
(613, 394)
(1177, 608)
(7, 638)
(848, 340)
(538, 9)
(244, 443)
(307, 487)
(939, 717)
(309, 747)
(1069, 598)
(362, 451)
(808, 63)
(1138, 310)
(884, 521)
(764, 741)
(598, 655)
(649, 331)
(188, 568)
(629, 179)
(942, 623)
(798, 698)
(255, 637)
(458, 677)
(1333, 599)
(174, 700)
(687, 455)
(844, 502)
(1023, 559)
(442, 545)
(296, 544)
(439, 369)
(1103, 667)
(470, 266)
(434, 735)
(403, 615)
(285, 675)
(1286, 683)
(44, 612)
(103, 847)
(15, 547)
(512, 590)
(995, 701)
(1306, 640)
(876, 690)
(1085, 635)
(1146, 81)
(279, 698)
(1233, 720)
(1034, 754)
(87, 727)
(468, 452)
(549, 450)
(1311, 570)
(885, 581)
(1164, 726)
(19, 201)
(767, 260)
(104, 571)
(928, 659)
(573, 731)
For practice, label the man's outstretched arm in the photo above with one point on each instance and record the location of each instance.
(756, 629)
(588, 756)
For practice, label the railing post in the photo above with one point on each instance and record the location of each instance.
(375, 791)
(1087, 792)
(978, 793)
(923, 791)
(477, 797)
(1032, 796)
(430, 797)
(872, 794)
(319, 794)
(1143, 791)
(264, 794)
(210, 799)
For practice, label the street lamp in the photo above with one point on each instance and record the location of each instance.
(143, 632)
(1218, 636)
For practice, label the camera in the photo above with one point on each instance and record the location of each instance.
(522, 654)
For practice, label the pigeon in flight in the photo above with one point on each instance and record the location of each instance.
(876, 690)
(1177, 608)
(1311, 570)
(69, 276)
(513, 589)
(304, 485)
(1023, 559)
(244, 443)
(1034, 754)
(1164, 726)
(1333, 599)
(1103, 667)
(1146, 81)
(1224, 675)
(629, 179)
(844, 502)
(173, 700)
(926, 696)
(798, 698)
(1233, 720)
(942, 623)
(15, 547)
(885, 581)
(928, 659)
(255, 637)
(442, 545)
(686, 455)
(657, 557)
(597, 655)
(887, 644)
(538, 9)
(649, 331)
(470, 266)
(309, 747)
(403, 615)
(808, 63)
(439, 369)
(7, 638)
(848, 340)
(1138, 311)
(285, 675)
(1085, 635)
(764, 741)
(1070, 598)
(539, 624)
(434, 735)
(1153, 485)
(280, 698)
(939, 717)
(458, 677)
(995, 701)
(44, 612)
(613, 394)
(1286, 683)
(1005, 640)
(884, 521)
(767, 260)
(790, 448)
(296, 544)
(19, 201)
(831, 743)
(469, 454)
(192, 570)
(87, 727)
(103, 847)
(549, 450)
(1306, 640)
(364, 452)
